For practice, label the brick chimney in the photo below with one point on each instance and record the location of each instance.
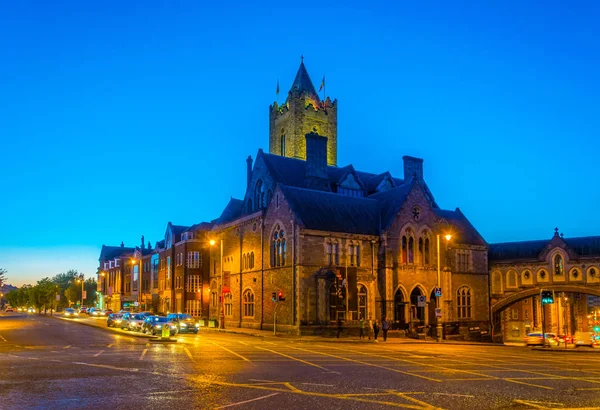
(412, 167)
(248, 169)
(316, 162)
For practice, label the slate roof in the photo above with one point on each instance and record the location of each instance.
(333, 212)
(292, 172)
(389, 203)
(303, 85)
(111, 252)
(462, 229)
(202, 226)
(178, 229)
(232, 211)
(530, 250)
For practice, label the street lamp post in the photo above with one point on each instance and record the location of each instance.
(80, 279)
(438, 326)
(221, 312)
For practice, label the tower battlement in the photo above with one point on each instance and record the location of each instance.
(303, 112)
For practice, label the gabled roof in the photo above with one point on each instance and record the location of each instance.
(202, 226)
(389, 203)
(462, 229)
(178, 229)
(112, 252)
(231, 211)
(303, 85)
(333, 212)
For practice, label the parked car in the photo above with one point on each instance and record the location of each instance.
(584, 339)
(537, 339)
(184, 322)
(9, 309)
(565, 339)
(82, 310)
(153, 325)
(69, 312)
(114, 319)
(133, 321)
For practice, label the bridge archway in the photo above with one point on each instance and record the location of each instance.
(527, 293)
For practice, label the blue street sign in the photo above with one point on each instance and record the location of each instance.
(438, 292)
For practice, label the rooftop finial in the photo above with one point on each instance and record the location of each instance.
(555, 231)
(302, 58)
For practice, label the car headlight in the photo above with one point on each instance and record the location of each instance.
(197, 324)
(173, 327)
(182, 325)
(118, 321)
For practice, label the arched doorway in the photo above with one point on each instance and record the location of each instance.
(399, 311)
(417, 313)
(431, 313)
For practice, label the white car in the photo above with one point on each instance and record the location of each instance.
(135, 321)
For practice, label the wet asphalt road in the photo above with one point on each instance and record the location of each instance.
(50, 363)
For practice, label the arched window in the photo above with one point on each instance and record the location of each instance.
(213, 294)
(463, 302)
(336, 253)
(278, 247)
(558, 264)
(420, 259)
(542, 275)
(282, 144)
(404, 245)
(427, 257)
(526, 276)
(593, 273)
(362, 302)
(511, 279)
(329, 257)
(252, 260)
(258, 194)
(248, 303)
(411, 253)
(496, 282)
(244, 261)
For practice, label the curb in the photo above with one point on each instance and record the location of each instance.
(232, 331)
(106, 329)
(574, 350)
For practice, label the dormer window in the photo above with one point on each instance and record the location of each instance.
(350, 192)
(558, 265)
(186, 236)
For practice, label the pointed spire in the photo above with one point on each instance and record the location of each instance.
(303, 84)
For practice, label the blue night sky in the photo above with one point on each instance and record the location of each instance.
(117, 117)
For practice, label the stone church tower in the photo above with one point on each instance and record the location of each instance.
(302, 113)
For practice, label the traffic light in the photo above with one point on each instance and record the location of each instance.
(547, 297)
(280, 297)
(274, 297)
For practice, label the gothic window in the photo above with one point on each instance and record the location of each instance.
(462, 261)
(362, 302)
(404, 245)
(526, 276)
(213, 294)
(278, 247)
(357, 252)
(427, 251)
(282, 142)
(248, 302)
(593, 272)
(411, 245)
(420, 251)
(542, 274)
(351, 254)
(558, 265)
(463, 302)
(252, 260)
(574, 274)
(244, 262)
(329, 258)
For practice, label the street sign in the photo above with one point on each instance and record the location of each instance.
(84, 295)
(136, 303)
(421, 302)
(438, 292)
(58, 297)
(438, 312)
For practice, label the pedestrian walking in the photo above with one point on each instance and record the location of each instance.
(361, 323)
(385, 326)
(339, 329)
(370, 328)
(375, 330)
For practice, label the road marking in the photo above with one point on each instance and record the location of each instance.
(110, 345)
(188, 353)
(104, 366)
(262, 380)
(66, 347)
(248, 401)
(3, 339)
(528, 384)
(293, 358)
(454, 395)
(232, 352)
(245, 344)
(370, 364)
(99, 353)
(318, 384)
(143, 354)
(535, 404)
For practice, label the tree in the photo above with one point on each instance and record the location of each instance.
(2, 276)
(43, 294)
(64, 280)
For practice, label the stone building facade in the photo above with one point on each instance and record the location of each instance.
(340, 243)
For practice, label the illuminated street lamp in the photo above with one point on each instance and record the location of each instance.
(438, 326)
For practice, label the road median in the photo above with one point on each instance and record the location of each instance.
(86, 322)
